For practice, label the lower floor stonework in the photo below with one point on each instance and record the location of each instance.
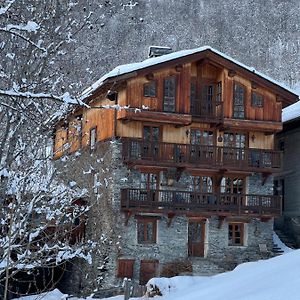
(160, 246)
(157, 246)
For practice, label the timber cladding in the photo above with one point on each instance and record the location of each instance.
(178, 97)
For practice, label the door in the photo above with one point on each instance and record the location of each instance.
(202, 149)
(232, 190)
(148, 270)
(151, 139)
(196, 237)
(149, 186)
(169, 99)
(207, 101)
(234, 152)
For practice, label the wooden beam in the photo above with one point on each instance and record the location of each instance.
(170, 218)
(264, 126)
(221, 221)
(127, 216)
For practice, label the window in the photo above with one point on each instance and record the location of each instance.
(125, 268)
(257, 100)
(219, 93)
(149, 181)
(146, 230)
(202, 184)
(238, 101)
(150, 89)
(281, 145)
(93, 137)
(202, 137)
(235, 234)
(232, 185)
(235, 140)
(169, 94)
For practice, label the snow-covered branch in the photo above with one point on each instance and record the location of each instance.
(65, 98)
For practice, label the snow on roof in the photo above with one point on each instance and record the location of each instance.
(128, 68)
(293, 111)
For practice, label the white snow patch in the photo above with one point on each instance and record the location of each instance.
(31, 26)
(276, 278)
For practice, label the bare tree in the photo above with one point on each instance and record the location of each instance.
(41, 220)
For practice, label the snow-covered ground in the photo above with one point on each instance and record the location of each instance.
(277, 278)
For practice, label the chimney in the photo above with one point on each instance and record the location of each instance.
(155, 51)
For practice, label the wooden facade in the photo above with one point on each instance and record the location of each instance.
(202, 114)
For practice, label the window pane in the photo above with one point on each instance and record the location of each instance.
(150, 89)
(238, 101)
(169, 94)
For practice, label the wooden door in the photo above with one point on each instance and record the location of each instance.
(234, 152)
(151, 139)
(148, 270)
(196, 237)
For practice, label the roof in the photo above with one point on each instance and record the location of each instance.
(291, 112)
(133, 67)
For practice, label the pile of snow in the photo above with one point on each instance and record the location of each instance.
(57, 295)
(273, 279)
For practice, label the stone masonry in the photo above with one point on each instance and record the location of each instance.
(101, 173)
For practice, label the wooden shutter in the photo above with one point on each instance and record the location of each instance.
(125, 268)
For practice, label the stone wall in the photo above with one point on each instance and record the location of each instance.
(102, 173)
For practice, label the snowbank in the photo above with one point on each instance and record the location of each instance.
(273, 279)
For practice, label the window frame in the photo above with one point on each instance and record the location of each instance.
(241, 237)
(254, 101)
(167, 103)
(144, 239)
(235, 105)
(93, 143)
(148, 85)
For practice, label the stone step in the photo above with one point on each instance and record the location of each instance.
(288, 241)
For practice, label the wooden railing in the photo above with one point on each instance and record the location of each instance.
(207, 110)
(142, 151)
(237, 204)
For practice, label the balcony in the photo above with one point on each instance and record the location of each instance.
(141, 152)
(194, 202)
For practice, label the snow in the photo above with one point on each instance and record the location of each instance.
(128, 68)
(280, 244)
(291, 112)
(31, 26)
(57, 295)
(273, 279)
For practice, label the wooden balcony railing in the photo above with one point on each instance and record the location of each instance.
(158, 153)
(207, 110)
(236, 204)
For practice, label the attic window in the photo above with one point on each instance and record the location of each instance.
(257, 100)
(150, 89)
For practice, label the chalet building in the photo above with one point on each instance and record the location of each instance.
(176, 155)
(287, 182)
